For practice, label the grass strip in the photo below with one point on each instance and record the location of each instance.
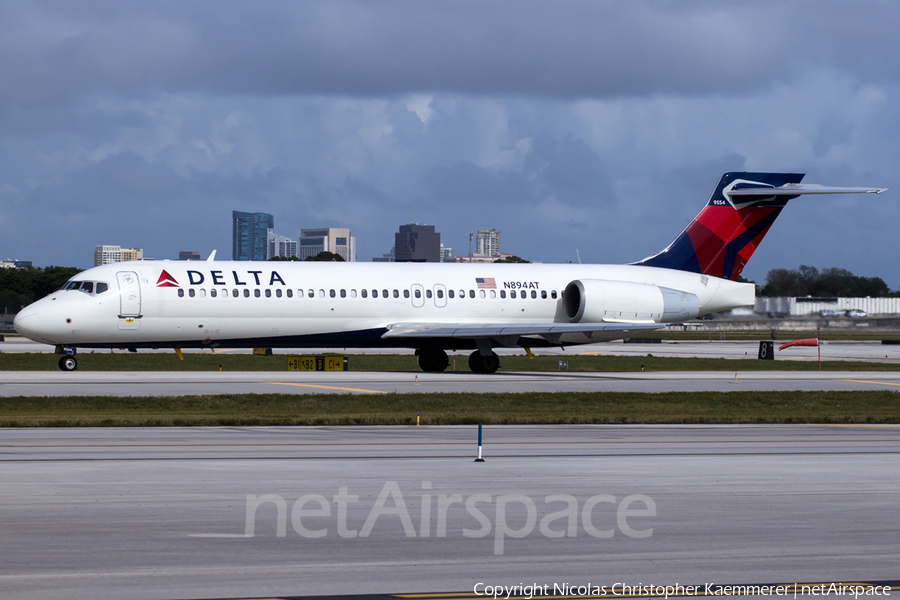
(872, 407)
(151, 361)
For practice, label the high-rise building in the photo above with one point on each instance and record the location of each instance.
(417, 243)
(280, 245)
(106, 254)
(487, 242)
(188, 255)
(336, 240)
(446, 253)
(250, 235)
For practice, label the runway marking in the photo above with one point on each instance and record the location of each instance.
(866, 381)
(327, 387)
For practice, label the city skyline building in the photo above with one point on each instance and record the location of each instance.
(446, 253)
(250, 235)
(280, 246)
(108, 254)
(336, 240)
(188, 255)
(487, 242)
(415, 242)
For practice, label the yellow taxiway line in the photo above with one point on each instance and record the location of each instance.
(327, 387)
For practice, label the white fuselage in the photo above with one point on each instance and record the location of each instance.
(333, 304)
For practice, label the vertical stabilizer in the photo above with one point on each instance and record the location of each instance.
(722, 238)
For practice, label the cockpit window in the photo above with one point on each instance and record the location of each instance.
(88, 287)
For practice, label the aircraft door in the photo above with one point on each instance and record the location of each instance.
(418, 295)
(129, 294)
(440, 295)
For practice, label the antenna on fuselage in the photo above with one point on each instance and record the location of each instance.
(211, 257)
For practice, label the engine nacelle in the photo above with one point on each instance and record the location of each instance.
(601, 301)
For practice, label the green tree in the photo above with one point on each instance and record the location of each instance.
(512, 259)
(326, 256)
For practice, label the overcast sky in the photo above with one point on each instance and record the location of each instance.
(593, 126)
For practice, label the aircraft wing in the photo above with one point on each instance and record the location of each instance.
(495, 330)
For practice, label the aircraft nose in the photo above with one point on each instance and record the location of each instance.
(26, 323)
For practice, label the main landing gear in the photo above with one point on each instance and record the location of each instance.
(434, 360)
(484, 364)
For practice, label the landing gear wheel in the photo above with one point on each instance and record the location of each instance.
(433, 360)
(484, 364)
(68, 363)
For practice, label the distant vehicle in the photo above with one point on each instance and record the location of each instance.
(831, 313)
(857, 314)
(429, 307)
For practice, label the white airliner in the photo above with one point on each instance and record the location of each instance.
(430, 307)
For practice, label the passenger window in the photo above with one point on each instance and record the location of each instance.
(234, 293)
(406, 293)
(384, 293)
(353, 293)
(102, 287)
(418, 293)
(428, 293)
(332, 293)
(278, 293)
(212, 293)
(365, 293)
(503, 293)
(450, 293)
(269, 293)
(246, 293)
(440, 293)
(493, 293)
(202, 293)
(180, 293)
(290, 294)
(343, 293)
(512, 294)
(224, 293)
(256, 293)
(533, 295)
(472, 294)
(310, 294)
(374, 293)
(396, 293)
(191, 292)
(321, 293)
(481, 294)
(462, 293)
(553, 294)
(543, 294)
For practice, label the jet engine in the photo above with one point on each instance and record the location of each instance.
(599, 301)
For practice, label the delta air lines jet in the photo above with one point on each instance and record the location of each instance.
(432, 308)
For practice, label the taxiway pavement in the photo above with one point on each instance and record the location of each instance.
(184, 383)
(252, 512)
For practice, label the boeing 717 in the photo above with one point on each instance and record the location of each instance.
(432, 308)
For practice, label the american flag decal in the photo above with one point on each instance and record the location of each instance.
(486, 283)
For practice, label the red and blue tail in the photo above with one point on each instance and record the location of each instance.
(722, 238)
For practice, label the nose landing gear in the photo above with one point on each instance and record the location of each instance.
(68, 363)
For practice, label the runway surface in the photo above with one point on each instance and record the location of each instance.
(262, 512)
(855, 350)
(168, 383)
